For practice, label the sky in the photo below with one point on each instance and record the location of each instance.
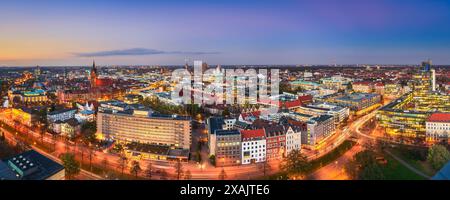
(171, 32)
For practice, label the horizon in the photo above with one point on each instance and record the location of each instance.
(54, 33)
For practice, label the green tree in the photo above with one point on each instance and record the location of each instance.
(71, 166)
(364, 166)
(438, 155)
(135, 168)
(88, 131)
(296, 163)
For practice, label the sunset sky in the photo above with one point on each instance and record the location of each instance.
(50, 33)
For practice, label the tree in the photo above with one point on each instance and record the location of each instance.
(43, 129)
(88, 131)
(212, 160)
(122, 162)
(264, 166)
(364, 166)
(135, 168)
(163, 174)
(188, 175)
(105, 163)
(149, 170)
(91, 155)
(223, 174)
(178, 169)
(2, 137)
(438, 156)
(71, 166)
(296, 163)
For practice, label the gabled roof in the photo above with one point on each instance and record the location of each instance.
(276, 130)
(250, 134)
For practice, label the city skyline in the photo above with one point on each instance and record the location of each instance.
(53, 33)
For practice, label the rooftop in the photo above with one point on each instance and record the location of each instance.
(250, 134)
(439, 117)
(31, 165)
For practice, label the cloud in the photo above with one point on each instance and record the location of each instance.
(137, 52)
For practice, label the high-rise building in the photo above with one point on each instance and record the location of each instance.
(405, 118)
(124, 123)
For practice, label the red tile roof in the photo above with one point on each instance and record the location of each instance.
(292, 104)
(254, 114)
(379, 84)
(362, 83)
(305, 98)
(248, 134)
(439, 117)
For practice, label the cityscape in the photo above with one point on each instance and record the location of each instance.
(136, 113)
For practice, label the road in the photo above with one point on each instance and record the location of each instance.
(335, 170)
(84, 175)
(206, 172)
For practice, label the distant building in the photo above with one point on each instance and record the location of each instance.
(363, 87)
(30, 165)
(28, 96)
(358, 101)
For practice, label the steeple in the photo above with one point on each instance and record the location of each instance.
(93, 75)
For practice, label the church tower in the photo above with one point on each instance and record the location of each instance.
(93, 75)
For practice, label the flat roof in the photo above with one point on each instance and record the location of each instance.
(45, 167)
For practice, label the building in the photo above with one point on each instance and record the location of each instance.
(359, 102)
(339, 113)
(318, 129)
(307, 85)
(70, 128)
(25, 116)
(31, 165)
(336, 82)
(213, 124)
(140, 151)
(132, 98)
(93, 76)
(142, 126)
(379, 88)
(28, 96)
(405, 119)
(253, 146)
(293, 138)
(438, 127)
(363, 87)
(61, 115)
(275, 141)
(227, 147)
